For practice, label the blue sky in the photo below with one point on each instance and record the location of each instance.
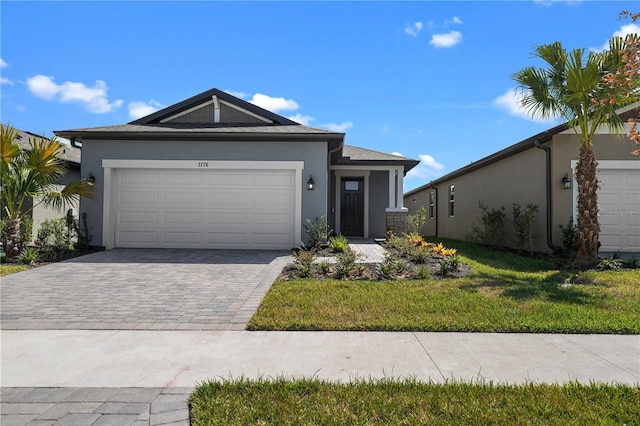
(429, 80)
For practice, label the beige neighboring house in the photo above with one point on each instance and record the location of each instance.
(71, 155)
(539, 170)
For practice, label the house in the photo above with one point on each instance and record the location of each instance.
(71, 156)
(540, 170)
(215, 171)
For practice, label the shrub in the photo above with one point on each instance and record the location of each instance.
(424, 272)
(324, 266)
(570, 237)
(28, 256)
(83, 231)
(54, 233)
(338, 243)
(317, 231)
(523, 224)
(416, 221)
(448, 265)
(303, 261)
(346, 261)
(384, 270)
(491, 230)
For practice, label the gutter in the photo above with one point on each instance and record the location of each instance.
(547, 151)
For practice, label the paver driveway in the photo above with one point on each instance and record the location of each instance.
(142, 289)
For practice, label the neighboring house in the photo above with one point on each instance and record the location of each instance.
(540, 170)
(71, 155)
(215, 171)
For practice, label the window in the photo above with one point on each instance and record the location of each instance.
(451, 199)
(431, 205)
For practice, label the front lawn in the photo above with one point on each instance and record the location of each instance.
(12, 268)
(504, 293)
(409, 402)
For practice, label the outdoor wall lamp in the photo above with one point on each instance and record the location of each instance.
(311, 184)
(91, 178)
(566, 181)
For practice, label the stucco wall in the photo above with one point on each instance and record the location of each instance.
(314, 155)
(519, 179)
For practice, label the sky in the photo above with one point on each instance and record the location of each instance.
(429, 80)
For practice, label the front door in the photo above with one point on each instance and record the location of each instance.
(352, 207)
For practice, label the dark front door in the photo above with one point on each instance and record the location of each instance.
(352, 207)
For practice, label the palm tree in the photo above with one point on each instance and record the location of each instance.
(32, 175)
(570, 86)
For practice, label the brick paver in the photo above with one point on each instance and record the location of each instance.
(142, 289)
(94, 406)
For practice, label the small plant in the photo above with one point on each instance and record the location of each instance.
(303, 261)
(338, 243)
(424, 272)
(83, 231)
(523, 222)
(633, 262)
(610, 264)
(324, 266)
(569, 238)
(317, 231)
(346, 263)
(416, 221)
(384, 270)
(28, 256)
(491, 230)
(448, 265)
(419, 254)
(399, 266)
(54, 233)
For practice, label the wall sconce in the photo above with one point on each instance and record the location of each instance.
(414, 199)
(566, 181)
(91, 178)
(311, 184)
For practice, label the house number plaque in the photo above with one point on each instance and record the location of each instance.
(203, 164)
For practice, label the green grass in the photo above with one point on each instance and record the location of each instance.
(504, 293)
(409, 402)
(12, 268)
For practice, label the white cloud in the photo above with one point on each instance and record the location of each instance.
(454, 20)
(624, 31)
(413, 29)
(241, 95)
(4, 80)
(511, 102)
(301, 118)
(3, 64)
(397, 154)
(428, 168)
(338, 128)
(449, 39)
(94, 98)
(274, 104)
(139, 109)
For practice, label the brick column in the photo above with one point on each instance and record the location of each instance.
(397, 222)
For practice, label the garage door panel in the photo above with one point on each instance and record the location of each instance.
(184, 238)
(182, 217)
(138, 217)
(228, 179)
(136, 198)
(184, 198)
(184, 179)
(139, 178)
(205, 208)
(619, 203)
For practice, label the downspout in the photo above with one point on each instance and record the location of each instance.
(435, 208)
(547, 151)
(74, 143)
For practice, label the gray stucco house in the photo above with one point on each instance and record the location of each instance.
(215, 171)
(539, 170)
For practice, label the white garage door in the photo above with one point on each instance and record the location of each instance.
(619, 203)
(244, 209)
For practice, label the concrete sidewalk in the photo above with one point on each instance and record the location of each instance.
(162, 359)
(141, 378)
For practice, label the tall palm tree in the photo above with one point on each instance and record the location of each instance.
(570, 86)
(32, 175)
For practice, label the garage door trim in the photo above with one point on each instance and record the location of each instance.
(109, 165)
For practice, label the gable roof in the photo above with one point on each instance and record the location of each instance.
(542, 137)
(352, 155)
